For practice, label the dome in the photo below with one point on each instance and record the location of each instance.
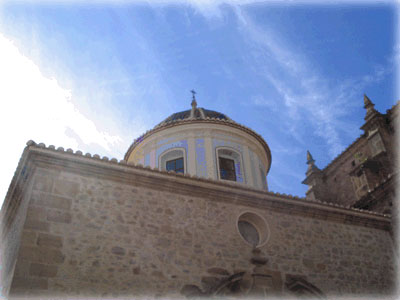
(204, 143)
(199, 113)
(195, 113)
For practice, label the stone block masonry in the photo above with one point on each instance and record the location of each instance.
(128, 231)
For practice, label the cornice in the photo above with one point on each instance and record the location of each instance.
(112, 169)
(174, 123)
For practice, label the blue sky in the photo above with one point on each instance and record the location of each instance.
(94, 77)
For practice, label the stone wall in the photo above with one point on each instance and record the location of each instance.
(12, 216)
(338, 182)
(90, 232)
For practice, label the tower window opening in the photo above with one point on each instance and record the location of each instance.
(173, 160)
(175, 165)
(229, 164)
(227, 169)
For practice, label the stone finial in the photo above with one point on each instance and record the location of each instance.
(369, 106)
(310, 162)
(315, 181)
(310, 159)
(194, 105)
(194, 102)
(367, 101)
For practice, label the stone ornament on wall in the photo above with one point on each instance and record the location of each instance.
(260, 282)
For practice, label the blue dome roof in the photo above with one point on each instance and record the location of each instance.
(198, 113)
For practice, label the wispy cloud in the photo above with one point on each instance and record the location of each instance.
(259, 100)
(36, 107)
(306, 95)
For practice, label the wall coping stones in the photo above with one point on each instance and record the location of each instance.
(215, 190)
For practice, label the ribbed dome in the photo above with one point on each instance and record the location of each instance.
(195, 113)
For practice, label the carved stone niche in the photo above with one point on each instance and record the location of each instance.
(261, 283)
(257, 282)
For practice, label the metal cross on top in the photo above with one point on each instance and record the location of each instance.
(193, 93)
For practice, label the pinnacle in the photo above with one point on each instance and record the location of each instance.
(311, 164)
(310, 159)
(369, 106)
(367, 101)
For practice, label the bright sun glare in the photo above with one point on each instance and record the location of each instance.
(37, 108)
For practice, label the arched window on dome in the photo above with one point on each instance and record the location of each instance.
(173, 160)
(229, 164)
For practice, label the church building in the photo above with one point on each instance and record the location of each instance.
(187, 213)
